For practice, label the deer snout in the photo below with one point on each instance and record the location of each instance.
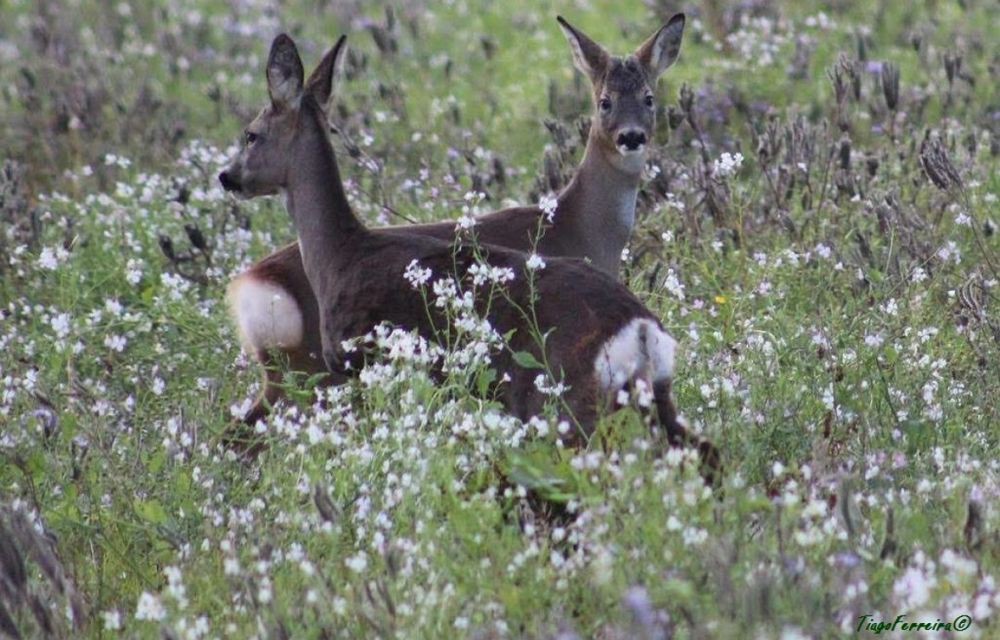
(229, 182)
(631, 139)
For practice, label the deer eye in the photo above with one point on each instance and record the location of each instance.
(251, 138)
(605, 104)
(649, 101)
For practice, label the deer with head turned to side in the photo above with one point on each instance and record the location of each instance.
(600, 337)
(276, 311)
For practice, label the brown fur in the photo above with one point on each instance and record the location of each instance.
(585, 224)
(357, 274)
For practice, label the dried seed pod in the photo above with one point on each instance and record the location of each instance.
(183, 193)
(384, 40)
(552, 171)
(974, 525)
(167, 247)
(327, 510)
(889, 544)
(937, 164)
(687, 100)
(489, 47)
(196, 237)
(499, 172)
(392, 561)
(836, 76)
(952, 66)
(890, 85)
(854, 73)
(871, 164)
(862, 44)
(845, 152)
(674, 117)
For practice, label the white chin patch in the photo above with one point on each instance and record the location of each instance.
(630, 153)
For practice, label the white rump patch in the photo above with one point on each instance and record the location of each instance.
(640, 350)
(267, 315)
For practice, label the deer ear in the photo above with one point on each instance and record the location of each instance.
(284, 72)
(320, 83)
(588, 56)
(660, 51)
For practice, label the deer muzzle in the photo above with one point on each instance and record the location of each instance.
(229, 181)
(631, 140)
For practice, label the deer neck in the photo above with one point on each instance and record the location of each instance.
(324, 221)
(598, 205)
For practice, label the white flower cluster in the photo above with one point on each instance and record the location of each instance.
(416, 275)
(482, 273)
(543, 384)
(727, 164)
(535, 262)
(548, 205)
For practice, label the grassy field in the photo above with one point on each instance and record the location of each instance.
(833, 288)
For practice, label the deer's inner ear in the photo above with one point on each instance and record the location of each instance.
(284, 72)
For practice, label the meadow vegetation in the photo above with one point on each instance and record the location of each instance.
(817, 228)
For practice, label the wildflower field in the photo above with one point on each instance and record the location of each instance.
(817, 226)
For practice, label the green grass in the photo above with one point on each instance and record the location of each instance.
(841, 351)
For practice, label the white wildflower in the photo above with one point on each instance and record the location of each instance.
(149, 608)
(554, 390)
(416, 275)
(727, 164)
(548, 205)
(50, 258)
(674, 285)
(61, 325)
(115, 342)
(133, 271)
(913, 588)
(112, 620)
(357, 563)
(874, 340)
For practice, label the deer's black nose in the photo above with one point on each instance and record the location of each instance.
(631, 139)
(228, 182)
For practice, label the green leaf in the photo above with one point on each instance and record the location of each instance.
(527, 360)
(485, 378)
(156, 462)
(152, 511)
(314, 380)
(541, 478)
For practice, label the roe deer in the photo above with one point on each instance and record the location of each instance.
(602, 337)
(276, 311)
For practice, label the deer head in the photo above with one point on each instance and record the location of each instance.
(262, 165)
(624, 100)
